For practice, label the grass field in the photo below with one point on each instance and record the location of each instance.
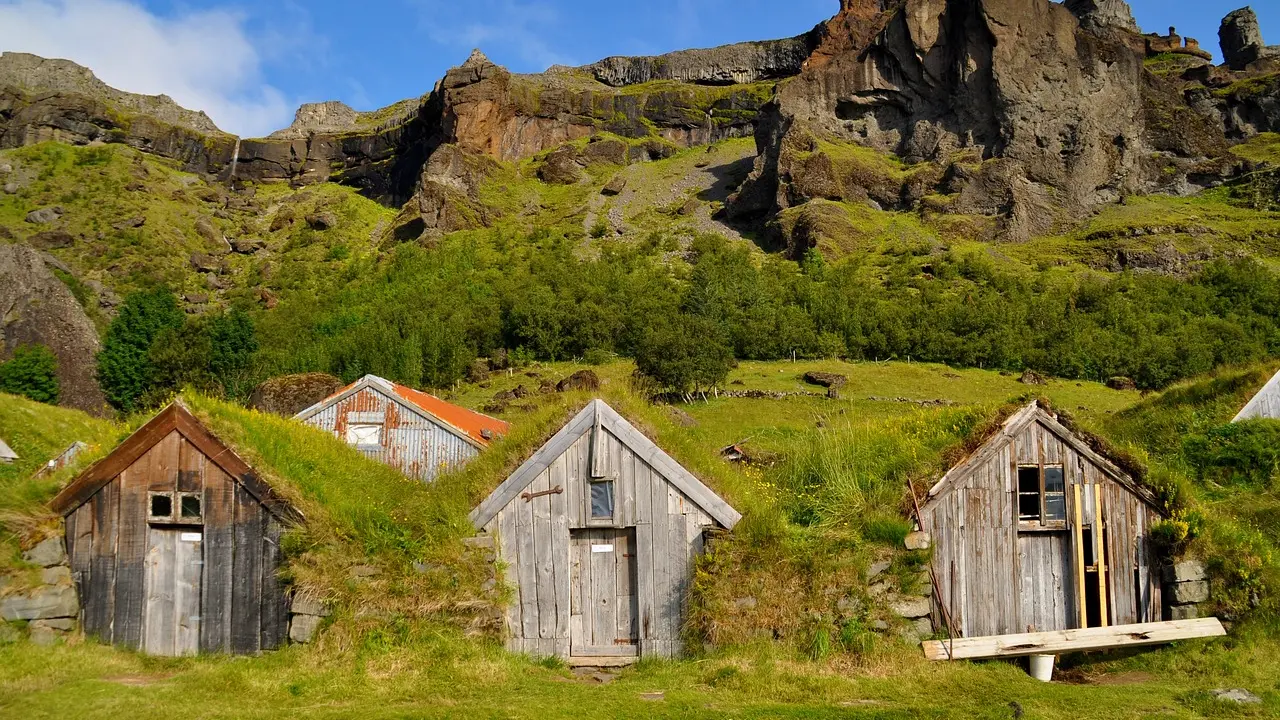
(415, 645)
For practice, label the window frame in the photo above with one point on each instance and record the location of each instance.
(1042, 522)
(151, 500)
(180, 512)
(354, 442)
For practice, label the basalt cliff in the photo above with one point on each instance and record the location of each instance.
(1020, 115)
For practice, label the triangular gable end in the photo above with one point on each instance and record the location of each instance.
(597, 414)
(387, 388)
(1266, 404)
(6, 453)
(175, 417)
(1014, 426)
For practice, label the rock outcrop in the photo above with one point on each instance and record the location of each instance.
(1241, 40)
(289, 395)
(63, 77)
(324, 117)
(37, 308)
(1103, 14)
(725, 65)
(1025, 116)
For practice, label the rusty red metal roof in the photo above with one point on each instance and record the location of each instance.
(474, 424)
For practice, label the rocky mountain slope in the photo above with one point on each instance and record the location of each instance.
(1044, 133)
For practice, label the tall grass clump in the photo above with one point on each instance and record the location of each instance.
(854, 473)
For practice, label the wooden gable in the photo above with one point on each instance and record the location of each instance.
(593, 423)
(174, 418)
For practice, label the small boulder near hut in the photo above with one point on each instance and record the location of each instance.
(289, 395)
(825, 379)
(580, 380)
(1122, 383)
(1031, 377)
(599, 501)
(410, 430)
(174, 542)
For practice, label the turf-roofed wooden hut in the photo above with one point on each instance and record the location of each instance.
(599, 531)
(410, 430)
(1037, 530)
(1265, 405)
(174, 542)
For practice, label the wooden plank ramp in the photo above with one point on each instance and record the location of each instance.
(1062, 641)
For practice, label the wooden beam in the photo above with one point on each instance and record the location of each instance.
(1078, 640)
(1100, 539)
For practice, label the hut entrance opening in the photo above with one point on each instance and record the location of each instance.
(604, 616)
(174, 561)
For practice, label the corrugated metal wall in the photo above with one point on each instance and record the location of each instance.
(411, 442)
(995, 579)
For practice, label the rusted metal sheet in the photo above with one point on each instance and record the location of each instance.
(409, 440)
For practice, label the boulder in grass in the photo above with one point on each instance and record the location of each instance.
(1122, 383)
(289, 395)
(1031, 377)
(825, 379)
(581, 380)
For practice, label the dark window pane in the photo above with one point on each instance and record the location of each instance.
(1053, 479)
(602, 499)
(190, 506)
(1029, 480)
(161, 506)
(1055, 506)
(1029, 506)
(1087, 538)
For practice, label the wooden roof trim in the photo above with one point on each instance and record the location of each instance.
(644, 448)
(687, 482)
(175, 417)
(388, 389)
(1272, 387)
(533, 466)
(1015, 425)
(1011, 427)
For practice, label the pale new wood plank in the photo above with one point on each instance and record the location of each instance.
(604, 590)
(1074, 640)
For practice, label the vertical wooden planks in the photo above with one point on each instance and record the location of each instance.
(660, 622)
(508, 549)
(560, 554)
(527, 563)
(219, 560)
(274, 602)
(544, 562)
(131, 547)
(246, 608)
(604, 589)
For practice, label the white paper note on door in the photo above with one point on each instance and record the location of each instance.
(601, 548)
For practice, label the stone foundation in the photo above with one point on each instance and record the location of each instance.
(1186, 586)
(44, 613)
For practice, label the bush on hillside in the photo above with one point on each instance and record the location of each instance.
(1245, 453)
(31, 372)
(685, 356)
(125, 370)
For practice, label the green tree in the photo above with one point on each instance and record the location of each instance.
(125, 370)
(31, 372)
(686, 355)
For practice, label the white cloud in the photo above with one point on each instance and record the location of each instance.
(204, 60)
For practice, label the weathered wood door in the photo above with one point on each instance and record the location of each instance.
(604, 604)
(171, 623)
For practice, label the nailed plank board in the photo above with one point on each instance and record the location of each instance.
(246, 610)
(1078, 640)
(219, 549)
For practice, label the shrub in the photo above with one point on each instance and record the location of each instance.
(684, 356)
(31, 372)
(125, 370)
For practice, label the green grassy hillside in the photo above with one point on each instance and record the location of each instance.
(826, 502)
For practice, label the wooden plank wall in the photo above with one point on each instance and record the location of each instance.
(533, 542)
(1006, 581)
(1266, 404)
(243, 604)
(411, 443)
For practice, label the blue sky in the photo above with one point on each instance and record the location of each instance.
(249, 64)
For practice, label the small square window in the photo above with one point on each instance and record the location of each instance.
(602, 500)
(1055, 495)
(191, 506)
(161, 506)
(364, 435)
(1029, 493)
